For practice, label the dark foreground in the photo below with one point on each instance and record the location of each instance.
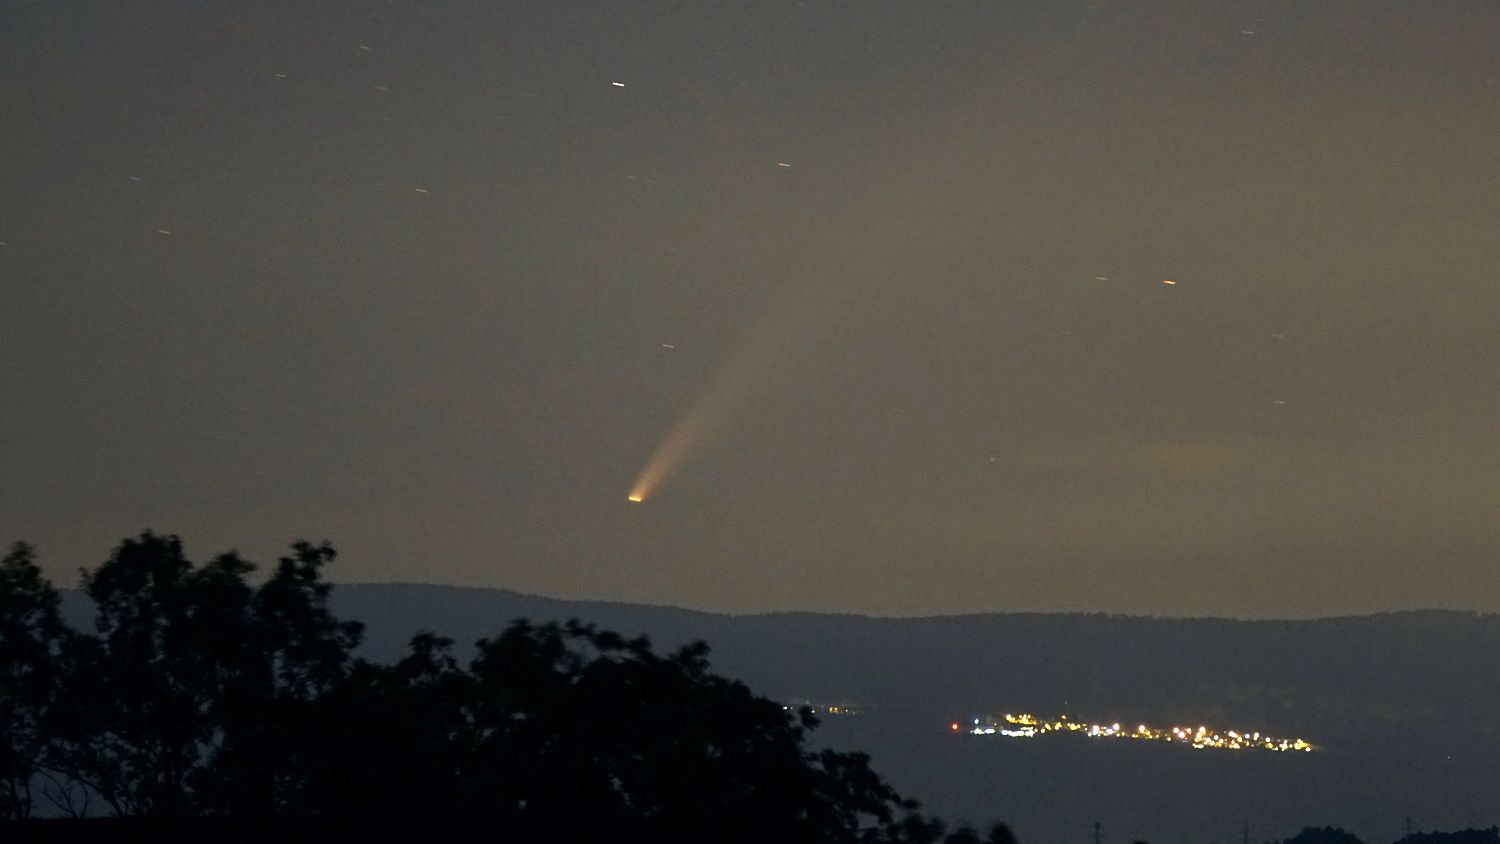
(285, 829)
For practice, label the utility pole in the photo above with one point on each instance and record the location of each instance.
(1408, 828)
(1246, 837)
(1097, 826)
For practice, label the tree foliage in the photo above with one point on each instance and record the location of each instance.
(31, 639)
(1323, 835)
(198, 693)
(567, 727)
(182, 699)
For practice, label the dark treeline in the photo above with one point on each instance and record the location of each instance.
(204, 707)
(199, 696)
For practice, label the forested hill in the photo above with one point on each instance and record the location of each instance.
(1435, 668)
(1396, 667)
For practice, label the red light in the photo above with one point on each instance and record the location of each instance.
(953, 727)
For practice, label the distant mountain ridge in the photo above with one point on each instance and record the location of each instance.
(1081, 660)
(1398, 657)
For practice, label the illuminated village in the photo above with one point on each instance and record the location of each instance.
(824, 708)
(1199, 738)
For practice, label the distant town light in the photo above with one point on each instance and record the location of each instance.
(1027, 726)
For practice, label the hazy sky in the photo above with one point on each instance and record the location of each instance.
(421, 279)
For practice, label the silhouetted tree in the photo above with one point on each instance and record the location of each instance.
(391, 739)
(551, 719)
(295, 651)
(189, 696)
(963, 835)
(1323, 835)
(921, 829)
(198, 693)
(31, 639)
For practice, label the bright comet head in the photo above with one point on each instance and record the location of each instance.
(636, 498)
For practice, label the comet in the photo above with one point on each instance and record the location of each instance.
(739, 378)
(835, 275)
(859, 255)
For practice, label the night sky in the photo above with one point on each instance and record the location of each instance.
(435, 280)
